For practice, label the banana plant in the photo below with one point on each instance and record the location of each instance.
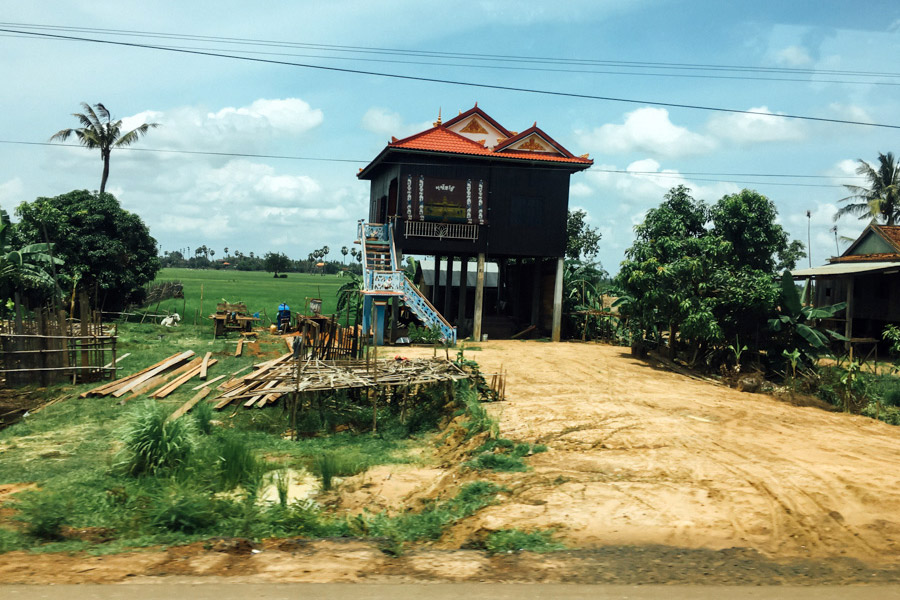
(800, 320)
(26, 264)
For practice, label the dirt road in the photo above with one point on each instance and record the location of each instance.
(640, 455)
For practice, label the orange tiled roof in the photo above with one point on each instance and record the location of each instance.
(441, 139)
(882, 256)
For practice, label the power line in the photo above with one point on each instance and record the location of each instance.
(458, 83)
(539, 69)
(694, 175)
(449, 55)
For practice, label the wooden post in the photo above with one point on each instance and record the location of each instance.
(536, 293)
(435, 291)
(557, 300)
(848, 324)
(479, 298)
(463, 288)
(448, 288)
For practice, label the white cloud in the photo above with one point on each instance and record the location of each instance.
(850, 112)
(11, 193)
(388, 123)
(793, 56)
(745, 128)
(646, 130)
(230, 129)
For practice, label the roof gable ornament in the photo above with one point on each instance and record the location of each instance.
(473, 126)
(438, 122)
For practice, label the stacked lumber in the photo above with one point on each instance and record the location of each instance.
(163, 378)
(275, 378)
(122, 386)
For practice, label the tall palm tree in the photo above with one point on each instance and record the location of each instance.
(881, 199)
(98, 130)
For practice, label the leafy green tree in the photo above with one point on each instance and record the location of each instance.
(581, 238)
(747, 221)
(23, 267)
(880, 199)
(276, 262)
(106, 251)
(706, 286)
(98, 130)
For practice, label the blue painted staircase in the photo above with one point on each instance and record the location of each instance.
(383, 279)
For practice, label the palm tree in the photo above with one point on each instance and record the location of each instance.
(881, 199)
(99, 131)
(344, 251)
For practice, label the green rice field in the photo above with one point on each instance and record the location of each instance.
(260, 291)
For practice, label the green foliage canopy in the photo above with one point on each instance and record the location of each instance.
(704, 273)
(105, 250)
(581, 238)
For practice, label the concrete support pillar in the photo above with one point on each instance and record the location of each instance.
(395, 309)
(479, 298)
(463, 289)
(448, 288)
(557, 301)
(378, 321)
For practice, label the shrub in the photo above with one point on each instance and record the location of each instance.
(182, 508)
(153, 444)
(515, 540)
(45, 515)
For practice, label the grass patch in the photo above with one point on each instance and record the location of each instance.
(508, 541)
(329, 465)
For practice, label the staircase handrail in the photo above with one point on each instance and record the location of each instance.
(407, 284)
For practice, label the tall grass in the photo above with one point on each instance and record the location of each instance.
(152, 444)
(237, 464)
(329, 465)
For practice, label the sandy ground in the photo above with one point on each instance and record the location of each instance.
(650, 476)
(641, 455)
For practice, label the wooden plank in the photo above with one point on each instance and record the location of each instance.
(108, 388)
(240, 348)
(211, 381)
(139, 380)
(205, 365)
(108, 365)
(160, 380)
(189, 404)
(175, 384)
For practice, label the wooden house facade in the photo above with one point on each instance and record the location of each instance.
(471, 190)
(867, 277)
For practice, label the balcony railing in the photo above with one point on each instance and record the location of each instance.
(450, 231)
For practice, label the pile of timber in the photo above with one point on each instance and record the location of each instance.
(158, 380)
(284, 375)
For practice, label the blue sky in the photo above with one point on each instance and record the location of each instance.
(293, 206)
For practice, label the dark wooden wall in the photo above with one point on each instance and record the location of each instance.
(526, 204)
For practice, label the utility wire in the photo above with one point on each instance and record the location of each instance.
(496, 67)
(646, 174)
(448, 55)
(458, 83)
(527, 69)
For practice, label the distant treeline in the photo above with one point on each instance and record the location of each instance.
(244, 262)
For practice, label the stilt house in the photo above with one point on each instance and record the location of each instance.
(468, 191)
